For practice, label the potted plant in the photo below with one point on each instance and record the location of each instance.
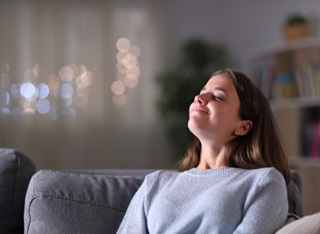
(178, 87)
(296, 26)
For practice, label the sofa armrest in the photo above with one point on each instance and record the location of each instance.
(16, 170)
(294, 194)
(78, 202)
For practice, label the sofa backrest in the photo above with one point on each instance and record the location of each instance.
(77, 202)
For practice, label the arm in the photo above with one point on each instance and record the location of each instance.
(266, 208)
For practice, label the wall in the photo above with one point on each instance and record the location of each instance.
(44, 37)
(102, 135)
(240, 25)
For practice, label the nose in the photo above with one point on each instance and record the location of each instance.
(200, 99)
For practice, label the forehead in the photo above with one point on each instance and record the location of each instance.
(221, 81)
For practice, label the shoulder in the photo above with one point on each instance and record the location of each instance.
(260, 178)
(160, 176)
(268, 176)
(267, 183)
(162, 173)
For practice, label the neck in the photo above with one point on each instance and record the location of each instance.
(212, 157)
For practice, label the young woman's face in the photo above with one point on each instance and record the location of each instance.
(214, 114)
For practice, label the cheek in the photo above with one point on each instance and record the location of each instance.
(190, 106)
(235, 113)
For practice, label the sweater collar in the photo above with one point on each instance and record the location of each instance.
(214, 171)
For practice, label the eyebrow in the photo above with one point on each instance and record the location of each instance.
(216, 89)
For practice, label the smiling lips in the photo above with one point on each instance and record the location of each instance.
(199, 109)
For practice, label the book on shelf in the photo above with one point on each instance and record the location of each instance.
(308, 80)
(263, 78)
(284, 86)
(275, 85)
(302, 83)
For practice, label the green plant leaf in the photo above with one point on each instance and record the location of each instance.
(296, 19)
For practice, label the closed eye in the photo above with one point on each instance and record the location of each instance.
(217, 98)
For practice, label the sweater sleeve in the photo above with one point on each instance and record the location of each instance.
(135, 220)
(266, 208)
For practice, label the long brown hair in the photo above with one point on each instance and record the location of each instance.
(262, 146)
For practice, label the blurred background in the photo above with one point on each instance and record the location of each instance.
(107, 83)
(81, 81)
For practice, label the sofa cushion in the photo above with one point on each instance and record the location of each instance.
(77, 202)
(16, 170)
(309, 224)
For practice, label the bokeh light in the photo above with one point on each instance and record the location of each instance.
(36, 70)
(129, 61)
(28, 111)
(27, 90)
(30, 104)
(4, 98)
(130, 83)
(54, 82)
(135, 50)
(15, 90)
(118, 87)
(66, 90)
(43, 90)
(87, 78)
(128, 70)
(43, 106)
(123, 44)
(66, 74)
(52, 95)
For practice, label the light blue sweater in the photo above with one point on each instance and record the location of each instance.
(223, 200)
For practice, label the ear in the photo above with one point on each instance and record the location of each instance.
(243, 128)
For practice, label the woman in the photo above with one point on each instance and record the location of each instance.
(233, 176)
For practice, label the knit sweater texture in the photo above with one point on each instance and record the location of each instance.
(221, 200)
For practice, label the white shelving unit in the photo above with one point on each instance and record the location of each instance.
(295, 103)
(289, 75)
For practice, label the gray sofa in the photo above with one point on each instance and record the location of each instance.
(70, 202)
(16, 170)
(79, 202)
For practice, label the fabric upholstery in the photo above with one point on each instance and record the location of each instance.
(294, 194)
(309, 224)
(78, 202)
(16, 170)
(86, 201)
